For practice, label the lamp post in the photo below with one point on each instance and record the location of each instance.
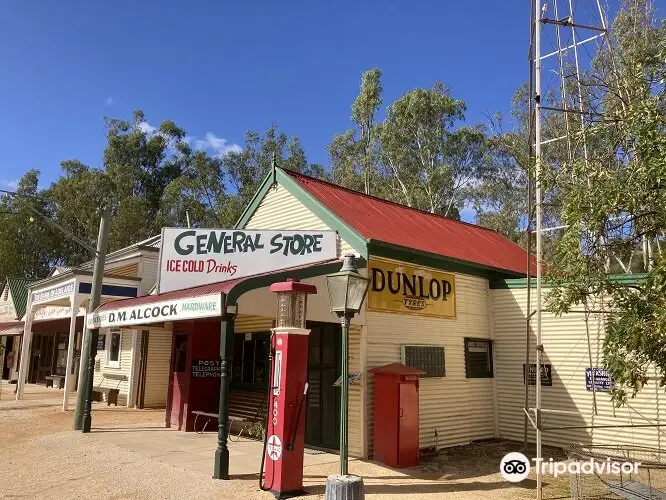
(346, 291)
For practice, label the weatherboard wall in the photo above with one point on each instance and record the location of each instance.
(124, 368)
(565, 341)
(453, 410)
(279, 209)
(158, 367)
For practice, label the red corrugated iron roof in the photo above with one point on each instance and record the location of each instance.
(385, 221)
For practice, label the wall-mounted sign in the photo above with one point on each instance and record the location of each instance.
(101, 342)
(546, 374)
(53, 293)
(599, 378)
(402, 288)
(55, 312)
(194, 257)
(206, 306)
(206, 368)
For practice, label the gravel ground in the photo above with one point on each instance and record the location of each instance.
(40, 457)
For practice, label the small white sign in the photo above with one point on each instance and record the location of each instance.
(274, 448)
(195, 257)
(248, 336)
(206, 306)
(52, 293)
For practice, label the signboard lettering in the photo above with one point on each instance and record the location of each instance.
(599, 378)
(194, 257)
(546, 374)
(207, 306)
(53, 293)
(206, 368)
(407, 289)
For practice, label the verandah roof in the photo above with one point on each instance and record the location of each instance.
(231, 289)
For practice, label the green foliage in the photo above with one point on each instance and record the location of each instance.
(614, 204)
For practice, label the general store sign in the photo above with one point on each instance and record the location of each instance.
(53, 293)
(194, 257)
(206, 306)
(401, 288)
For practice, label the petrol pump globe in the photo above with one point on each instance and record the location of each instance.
(346, 289)
(292, 297)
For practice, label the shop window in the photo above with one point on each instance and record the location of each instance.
(250, 360)
(478, 358)
(428, 358)
(113, 341)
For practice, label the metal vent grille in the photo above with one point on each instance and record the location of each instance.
(429, 358)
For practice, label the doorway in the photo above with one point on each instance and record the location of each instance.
(7, 365)
(322, 426)
(176, 411)
(43, 357)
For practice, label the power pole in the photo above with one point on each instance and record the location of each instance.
(89, 347)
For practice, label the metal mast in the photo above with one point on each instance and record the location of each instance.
(573, 139)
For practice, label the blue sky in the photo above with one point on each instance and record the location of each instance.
(220, 68)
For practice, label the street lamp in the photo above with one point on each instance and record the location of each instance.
(346, 291)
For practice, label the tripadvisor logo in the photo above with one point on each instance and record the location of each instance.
(415, 290)
(515, 467)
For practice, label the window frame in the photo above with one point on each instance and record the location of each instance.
(109, 335)
(490, 354)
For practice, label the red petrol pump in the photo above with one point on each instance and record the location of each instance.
(284, 441)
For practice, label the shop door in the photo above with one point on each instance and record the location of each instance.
(322, 427)
(8, 360)
(179, 381)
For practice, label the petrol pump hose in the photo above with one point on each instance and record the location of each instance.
(290, 446)
(271, 352)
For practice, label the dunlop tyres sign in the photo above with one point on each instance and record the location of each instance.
(406, 289)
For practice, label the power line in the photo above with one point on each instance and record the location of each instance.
(53, 223)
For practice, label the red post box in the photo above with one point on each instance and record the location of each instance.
(396, 437)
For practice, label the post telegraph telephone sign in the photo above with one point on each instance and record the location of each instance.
(194, 257)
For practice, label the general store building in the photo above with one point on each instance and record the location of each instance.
(430, 294)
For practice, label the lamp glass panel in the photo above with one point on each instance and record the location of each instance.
(337, 292)
(356, 292)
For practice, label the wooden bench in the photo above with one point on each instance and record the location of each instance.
(245, 408)
(60, 379)
(111, 393)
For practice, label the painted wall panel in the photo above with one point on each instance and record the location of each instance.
(453, 410)
(281, 210)
(565, 341)
(157, 370)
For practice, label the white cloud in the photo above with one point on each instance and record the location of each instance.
(216, 144)
(109, 101)
(211, 143)
(147, 128)
(9, 184)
